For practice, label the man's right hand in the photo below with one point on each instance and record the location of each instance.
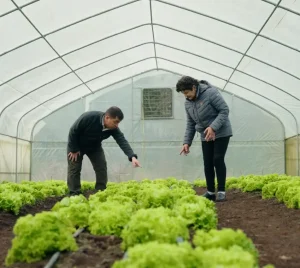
(185, 149)
(73, 156)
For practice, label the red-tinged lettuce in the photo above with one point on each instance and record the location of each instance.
(154, 224)
(39, 235)
(225, 238)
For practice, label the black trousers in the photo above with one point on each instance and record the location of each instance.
(100, 167)
(214, 160)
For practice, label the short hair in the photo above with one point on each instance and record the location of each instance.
(114, 112)
(186, 83)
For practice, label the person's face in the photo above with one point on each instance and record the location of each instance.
(110, 122)
(190, 94)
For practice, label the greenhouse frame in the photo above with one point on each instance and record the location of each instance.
(60, 58)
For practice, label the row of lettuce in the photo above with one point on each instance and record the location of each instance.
(286, 189)
(153, 218)
(13, 196)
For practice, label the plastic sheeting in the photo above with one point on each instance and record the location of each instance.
(10, 165)
(257, 145)
(55, 52)
(248, 47)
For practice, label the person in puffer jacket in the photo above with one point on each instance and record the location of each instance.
(207, 113)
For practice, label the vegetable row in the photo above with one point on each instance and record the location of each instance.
(154, 218)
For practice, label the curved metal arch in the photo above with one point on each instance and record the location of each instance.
(119, 52)
(162, 69)
(167, 27)
(262, 27)
(187, 67)
(276, 103)
(104, 75)
(43, 37)
(59, 29)
(149, 24)
(260, 107)
(153, 36)
(234, 25)
(40, 104)
(296, 122)
(59, 108)
(15, 9)
(281, 7)
(77, 49)
(55, 79)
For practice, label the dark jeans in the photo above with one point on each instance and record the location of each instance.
(214, 158)
(74, 170)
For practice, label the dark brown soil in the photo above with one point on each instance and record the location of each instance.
(8, 220)
(274, 229)
(94, 251)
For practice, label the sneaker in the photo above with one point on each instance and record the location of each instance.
(211, 197)
(221, 197)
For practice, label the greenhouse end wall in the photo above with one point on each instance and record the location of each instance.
(158, 142)
(292, 149)
(12, 168)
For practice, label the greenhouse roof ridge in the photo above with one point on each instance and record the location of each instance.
(242, 50)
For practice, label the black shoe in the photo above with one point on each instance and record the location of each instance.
(221, 197)
(211, 197)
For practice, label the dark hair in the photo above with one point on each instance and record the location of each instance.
(114, 112)
(186, 83)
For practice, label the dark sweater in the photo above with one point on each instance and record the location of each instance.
(86, 135)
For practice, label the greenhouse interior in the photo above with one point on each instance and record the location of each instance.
(59, 59)
(159, 205)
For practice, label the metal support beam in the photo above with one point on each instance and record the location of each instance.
(231, 24)
(177, 74)
(282, 7)
(119, 52)
(133, 64)
(245, 53)
(16, 9)
(151, 15)
(49, 44)
(117, 82)
(1, 134)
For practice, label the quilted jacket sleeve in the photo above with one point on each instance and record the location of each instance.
(190, 130)
(218, 102)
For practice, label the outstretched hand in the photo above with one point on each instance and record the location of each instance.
(135, 162)
(185, 149)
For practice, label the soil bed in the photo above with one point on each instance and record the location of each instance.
(273, 227)
(8, 220)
